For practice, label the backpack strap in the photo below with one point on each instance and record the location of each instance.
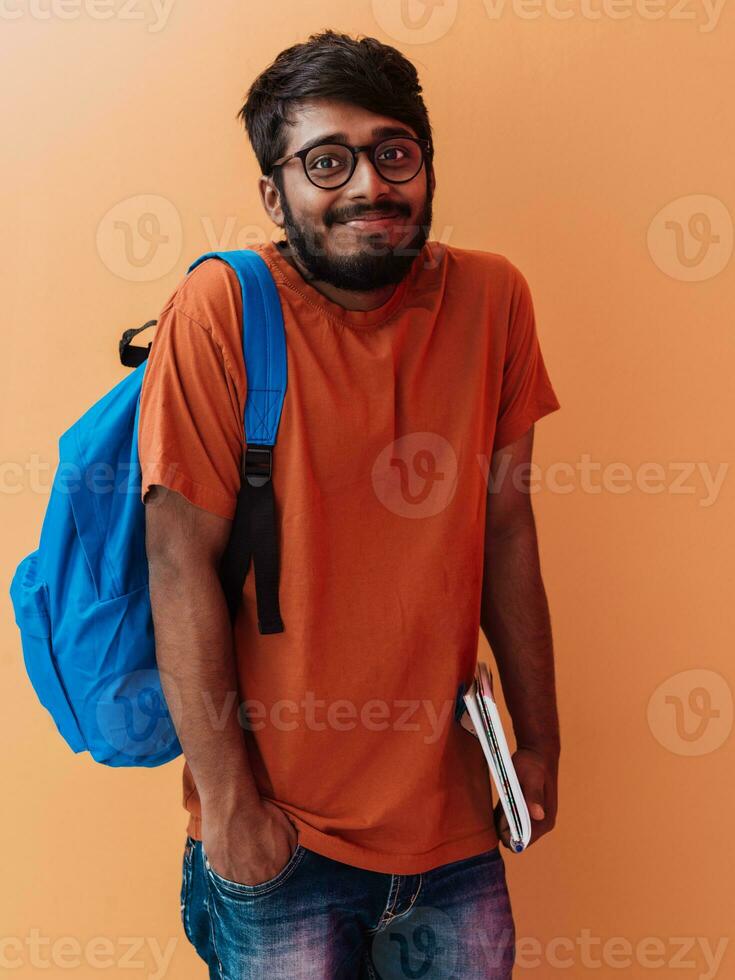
(254, 527)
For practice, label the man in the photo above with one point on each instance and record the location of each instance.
(340, 817)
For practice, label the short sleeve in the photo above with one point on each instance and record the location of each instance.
(190, 428)
(526, 394)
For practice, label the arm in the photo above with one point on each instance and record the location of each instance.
(515, 620)
(245, 837)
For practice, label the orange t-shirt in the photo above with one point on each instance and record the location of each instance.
(379, 477)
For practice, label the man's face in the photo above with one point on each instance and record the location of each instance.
(317, 221)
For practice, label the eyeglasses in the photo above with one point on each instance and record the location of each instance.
(330, 165)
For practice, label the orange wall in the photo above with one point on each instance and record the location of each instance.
(592, 143)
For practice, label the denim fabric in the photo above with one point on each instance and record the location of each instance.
(320, 919)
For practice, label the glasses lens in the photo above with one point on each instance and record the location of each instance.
(328, 164)
(396, 159)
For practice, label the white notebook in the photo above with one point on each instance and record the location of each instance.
(482, 719)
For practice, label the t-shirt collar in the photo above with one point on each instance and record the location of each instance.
(351, 318)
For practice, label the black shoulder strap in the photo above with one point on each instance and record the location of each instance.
(254, 524)
(254, 533)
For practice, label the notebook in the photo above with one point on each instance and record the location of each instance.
(482, 719)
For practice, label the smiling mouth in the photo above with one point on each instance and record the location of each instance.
(372, 221)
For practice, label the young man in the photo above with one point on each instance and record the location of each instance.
(340, 818)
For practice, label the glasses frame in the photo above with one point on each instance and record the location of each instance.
(424, 146)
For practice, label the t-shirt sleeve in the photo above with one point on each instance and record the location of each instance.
(190, 428)
(526, 394)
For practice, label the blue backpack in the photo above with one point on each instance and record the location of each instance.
(81, 599)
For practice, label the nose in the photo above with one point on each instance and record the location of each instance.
(366, 181)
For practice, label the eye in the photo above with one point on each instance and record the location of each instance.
(392, 149)
(327, 157)
(315, 164)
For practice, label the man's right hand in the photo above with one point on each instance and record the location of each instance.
(251, 849)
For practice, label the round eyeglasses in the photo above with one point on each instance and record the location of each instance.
(330, 165)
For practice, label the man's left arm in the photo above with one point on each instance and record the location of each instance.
(515, 619)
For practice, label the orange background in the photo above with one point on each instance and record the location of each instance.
(559, 140)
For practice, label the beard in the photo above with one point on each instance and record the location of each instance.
(373, 265)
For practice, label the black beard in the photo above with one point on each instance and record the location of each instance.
(373, 267)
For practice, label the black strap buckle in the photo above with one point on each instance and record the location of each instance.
(258, 465)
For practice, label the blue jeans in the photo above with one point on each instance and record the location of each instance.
(320, 919)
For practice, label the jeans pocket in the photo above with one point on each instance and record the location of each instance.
(236, 889)
(186, 874)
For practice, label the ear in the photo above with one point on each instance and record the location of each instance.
(271, 199)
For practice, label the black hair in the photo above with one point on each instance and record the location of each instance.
(362, 71)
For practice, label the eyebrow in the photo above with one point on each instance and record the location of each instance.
(380, 132)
